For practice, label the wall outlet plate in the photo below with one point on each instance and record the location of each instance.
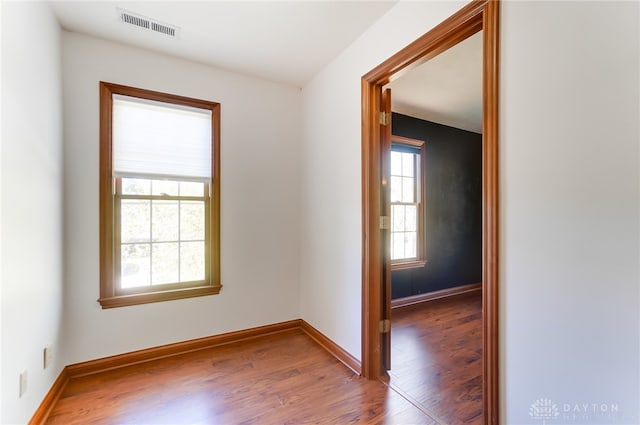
(23, 383)
(47, 356)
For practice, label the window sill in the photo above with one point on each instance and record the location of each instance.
(405, 265)
(153, 297)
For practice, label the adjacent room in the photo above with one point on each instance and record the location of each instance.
(436, 233)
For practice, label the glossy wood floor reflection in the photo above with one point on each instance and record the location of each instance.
(284, 378)
(436, 357)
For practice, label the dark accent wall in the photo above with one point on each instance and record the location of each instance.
(453, 208)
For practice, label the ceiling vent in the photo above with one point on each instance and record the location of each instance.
(147, 23)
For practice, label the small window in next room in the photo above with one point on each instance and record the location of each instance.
(159, 196)
(408, 242)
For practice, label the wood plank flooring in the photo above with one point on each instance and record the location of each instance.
(284, 378)
(436, 357)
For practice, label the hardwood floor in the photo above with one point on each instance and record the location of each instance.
(284, 378)
(287, 378)
(436, 357)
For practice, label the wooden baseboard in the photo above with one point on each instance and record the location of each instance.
(42, 413)
(154, 353)
(334, 349)
(435, 295)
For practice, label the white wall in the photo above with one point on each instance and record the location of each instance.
(31, 204)
(331, 231)
(570, 199)
(570, 208)
(259, 213)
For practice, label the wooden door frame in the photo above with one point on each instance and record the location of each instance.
(477, 15)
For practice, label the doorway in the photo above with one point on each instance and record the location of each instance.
(478, 15)
(435, 234)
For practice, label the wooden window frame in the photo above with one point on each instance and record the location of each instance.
(110, 293)
(118, 197)
(421, 238)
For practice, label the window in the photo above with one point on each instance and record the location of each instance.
(159, 196)
(408, 243)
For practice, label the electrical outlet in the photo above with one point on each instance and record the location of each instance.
(23, 383)
(47, 355)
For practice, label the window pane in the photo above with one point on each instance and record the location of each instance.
(407, 189)
(410, 218)
(418, 179)
(397, 243)
(191, 220)
(404, 218)
(164, 187)
(191, 189)
(165, 221)
(396, 189)
(397, 218)
(135, 220)
(165, 263)
(191, 261)
(396, 163)
(135, 264)
(136, 187)
(410, 245)
(407, 164)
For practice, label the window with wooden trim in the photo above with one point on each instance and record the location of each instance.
(408, 242)
(159, 196)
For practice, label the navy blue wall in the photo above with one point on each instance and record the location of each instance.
(453, 208)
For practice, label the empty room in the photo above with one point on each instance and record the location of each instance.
(196, 214)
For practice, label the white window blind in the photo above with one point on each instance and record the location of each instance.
(161, 139)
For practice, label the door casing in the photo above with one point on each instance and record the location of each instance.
(477, 15)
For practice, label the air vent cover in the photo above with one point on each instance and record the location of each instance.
(165, 29)
(147, 23)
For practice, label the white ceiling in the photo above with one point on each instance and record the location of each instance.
(446, 89)
(287, 41)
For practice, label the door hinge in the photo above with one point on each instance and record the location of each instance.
(385, 326)
(384, 222)
(384, 118)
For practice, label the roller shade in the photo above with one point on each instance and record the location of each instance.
(401, 147)
(160, 139)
